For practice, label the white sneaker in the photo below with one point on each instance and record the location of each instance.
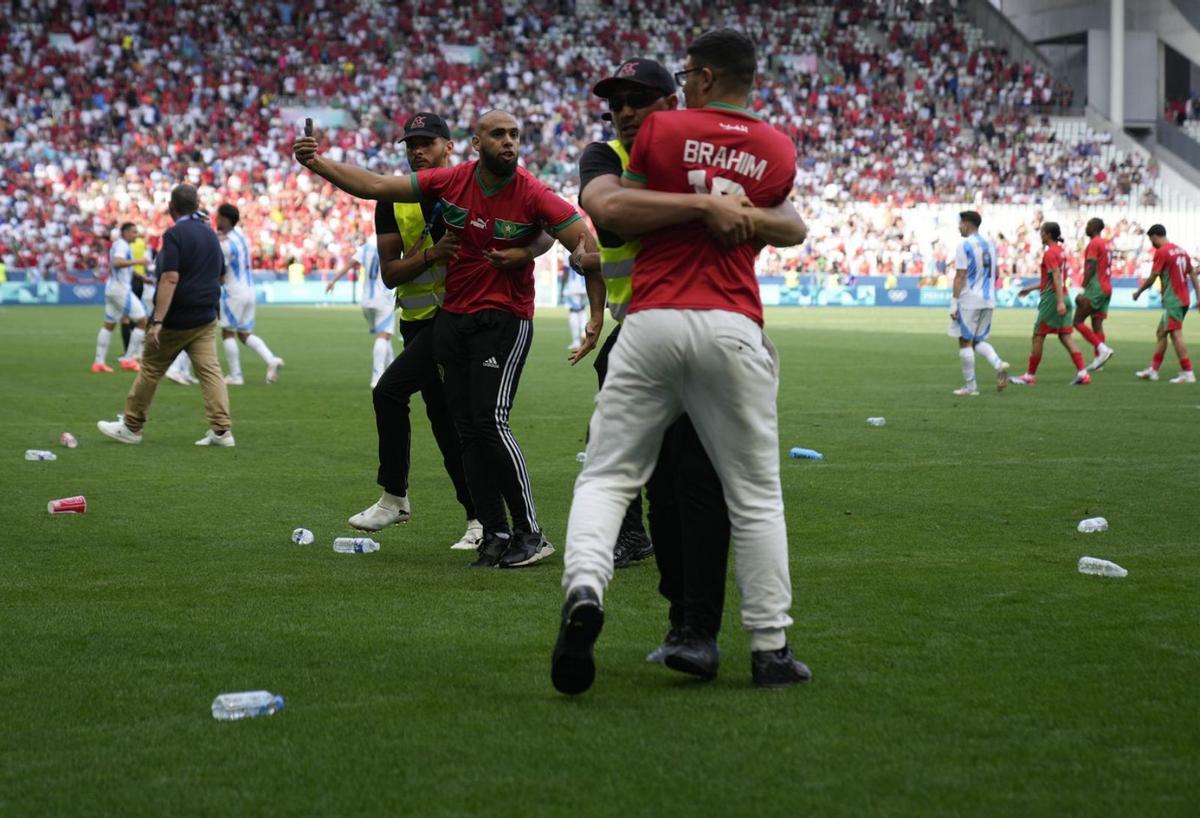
(377, 517)
(1147, 374)
(470, 538)
(211, 438)
(235, 380)
(180, 378)
(273, 370)
(1184, 377)
(117, 430)
(967, 392)
(1002, 376)
(1101, 359)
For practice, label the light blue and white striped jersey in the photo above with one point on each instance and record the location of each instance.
(373, 290)
(977, 255)
(119, 278)
(238, 278)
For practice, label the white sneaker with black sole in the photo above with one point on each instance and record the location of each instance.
(471, 538)
(211, 438)
(387, 510)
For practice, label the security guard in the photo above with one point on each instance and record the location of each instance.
(689, 521)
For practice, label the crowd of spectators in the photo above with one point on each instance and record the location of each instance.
(105, 105)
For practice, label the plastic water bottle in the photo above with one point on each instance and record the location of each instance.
(355, 545)
(1093, 524)
(581, 457)
(302, 536)
(234, 706)
(876, 421)
(40, 454)
(805, 454)
(1101, 568)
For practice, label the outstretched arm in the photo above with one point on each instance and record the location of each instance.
(354, 180)
(578, 239)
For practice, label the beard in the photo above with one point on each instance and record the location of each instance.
(497, 165)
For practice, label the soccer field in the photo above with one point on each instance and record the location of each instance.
(961, 664)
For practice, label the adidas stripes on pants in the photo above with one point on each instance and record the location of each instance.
(721, 369)
(481, 355)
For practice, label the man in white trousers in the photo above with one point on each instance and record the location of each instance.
(693, 342)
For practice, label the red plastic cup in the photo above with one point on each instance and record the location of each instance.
(68, 505)
(68, 440)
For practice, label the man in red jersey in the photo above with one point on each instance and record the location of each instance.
(1097, 292)
(692, 342)
(1173, 265)
(1054, 314)
(483, 332)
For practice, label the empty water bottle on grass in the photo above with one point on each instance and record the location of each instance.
(798, 453)
(234, 706)
(876, 421)
(1092, 525)
(1100, 568)
(355, 545)
(40, 454)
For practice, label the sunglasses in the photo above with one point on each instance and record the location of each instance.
(634, 99)
(681, 76)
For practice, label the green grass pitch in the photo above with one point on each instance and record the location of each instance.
(962, 666)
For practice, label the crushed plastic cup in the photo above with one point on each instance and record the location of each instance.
(40, 454)
(302, 536)
(1092, 524)
(68, 440)
(798, 453)
(1101, 568)
(68, 505)
(876, 421)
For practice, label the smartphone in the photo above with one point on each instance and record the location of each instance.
(308, 126)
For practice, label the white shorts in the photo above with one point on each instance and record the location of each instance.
(148, 291)
(237, 310)
(380, 318)
(121, 303)
(972, 325)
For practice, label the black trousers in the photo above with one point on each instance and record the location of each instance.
(412, 371)
(138, 286)
(689, 522)
(481, 356)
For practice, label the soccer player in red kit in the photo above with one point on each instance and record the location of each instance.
(692, 342)
(1054, 313)
(1097, 293)
(1173, 265)
(483, 331)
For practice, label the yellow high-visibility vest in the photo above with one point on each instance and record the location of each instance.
(420, 298)
(138, 248)
(616, 263)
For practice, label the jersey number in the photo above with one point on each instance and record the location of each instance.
(721, 186)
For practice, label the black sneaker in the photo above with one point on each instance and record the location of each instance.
(656, 656)
(778, 668)
(491, 549)
(526, 549)
(572, 667)
(632, 546)
(694, 653)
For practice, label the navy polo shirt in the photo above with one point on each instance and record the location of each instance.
(192, 249)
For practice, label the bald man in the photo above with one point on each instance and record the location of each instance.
(483, 331)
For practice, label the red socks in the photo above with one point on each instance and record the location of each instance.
(1185, 364)
(1156, 363)
(1034, 360)
(1089, 336)
(1100, 335)
(1077, 358)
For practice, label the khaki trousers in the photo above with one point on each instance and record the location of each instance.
(200, 343)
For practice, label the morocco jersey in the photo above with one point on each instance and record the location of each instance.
(718, 149)
(1174, 265)
(977, 255)
(511, 215)
(1100, 250)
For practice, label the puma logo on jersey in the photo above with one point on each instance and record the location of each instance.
(490, 363)
(696, 152)
(478, 222)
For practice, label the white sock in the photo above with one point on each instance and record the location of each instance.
(989, 353)
(102, 341)
(379, 360)
(257, 344)
(233, 357)
(966, 356)
(578, 324)
(136, 339)
(391, 353)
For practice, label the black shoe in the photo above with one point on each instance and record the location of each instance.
(632, 546)
(491, 549)
(656, 656)
(526, 549)
(572, 667)
(695, 653)
(778, 668)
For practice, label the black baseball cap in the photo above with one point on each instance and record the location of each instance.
(650, 73)
(1156, 230)
(425, 124)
